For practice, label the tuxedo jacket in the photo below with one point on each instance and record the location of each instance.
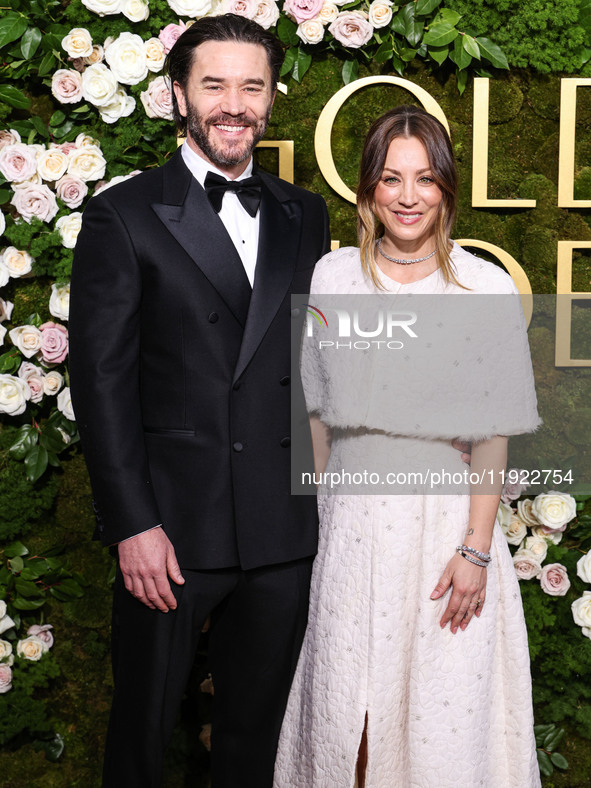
(180, 373)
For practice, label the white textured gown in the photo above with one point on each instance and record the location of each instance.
(444, 711)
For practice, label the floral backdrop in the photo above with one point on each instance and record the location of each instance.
(84, 105)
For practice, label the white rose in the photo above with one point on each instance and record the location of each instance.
(99, 85)
(34, 180)
(96, 56)
(526, 564)
(155, 55)
(66, 86)
(32, 648)
(114, 181)
(5, 679)
(2, 223)
(27, 339)
(191, 8)
(504, 515)
(59, 301)
(52, 164)
(64, 404)
(311, 31)
(581, 608)
(135, 10)
(6, 308)
(5, 623)
(267, 13)
(584, 568)
(380, 13)
(78, 43)
(5, 649)
(2, 334)
(157, 99)
(328, 13)
(516, 530)
(9, 137)
(18, 263)
(121, 106)
(69, 227)
(87, 163)
(102, 7)
(554, 509)
(4, 275)
(351, 29)
(35, 201)
(85, 141)
(52, 383)
(18, 162)
(3, 608)
(554, 537)
(524, 510)
(127, 58)
(14, 395)
(539, 547)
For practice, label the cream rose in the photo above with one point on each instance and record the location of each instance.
(18, 162)
(121, 106)
(5, 679)
(9, 137)
(35, 201)
(5, 649)
(66, 86)
(69, 227)
(59, 301)
(78, 42)
(52, 383)
(267, 13)
(127, 58)
(328, 13)
(86, 141)
(553, 537)
(539, 547)
(52, 164)
(554, 509)
(43, 632)
(31, 647)
(526, 564)
(311, 31)
(516, 530)
(64, 404)
(96, 56)
(99, 85)
(87, 163)
(27, 339)
(581, 608)
(14, 395)
(6, 308)
(524, 510)
(18, 263)
(380, 13)
(102, 7)
(554, 580)
(351, 29)
(584, 567)
(157, 99)
(71, 190)
(192, 8)
(135, 10)
(155, 55)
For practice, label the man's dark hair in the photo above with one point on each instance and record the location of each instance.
(228, 27)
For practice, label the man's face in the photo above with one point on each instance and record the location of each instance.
(227, 102)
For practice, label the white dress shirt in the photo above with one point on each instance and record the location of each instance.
(242, 228)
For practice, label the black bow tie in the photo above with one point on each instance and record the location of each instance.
(247, 190)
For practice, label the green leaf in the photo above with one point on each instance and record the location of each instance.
(302, 64)
(35, 319)
(53, 748)
(553, 739)
(545, 764)
(559, 760)
(70, 588)
(14, 97)
(350, 71)
(470, 45)
(57, 118)
(491, 52)
(47, 64)
(27, 437)
(459, 56)
(413, 29)
(397, 64)
(398, 23)
(286, 31)
(51, 439)
(585, 15)
(424, 7)
(5, 195)
(36, 463)
(28, 604)
(27, 588)
(439, 54)
(10, 362)
(52, 42)
(462, 81)
(12, 26)
(449, 16)
(384, 52)
(287, 66)
(16, 564)
(30, 42)
(14, 549)
(440, 35)
(407, 54)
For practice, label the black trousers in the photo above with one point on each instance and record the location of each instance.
(258, 619)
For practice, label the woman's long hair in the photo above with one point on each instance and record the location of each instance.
(406, 121)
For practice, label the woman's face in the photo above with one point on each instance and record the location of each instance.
(407, 198)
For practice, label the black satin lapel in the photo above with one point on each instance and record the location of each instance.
(279, 242)
(201, 233)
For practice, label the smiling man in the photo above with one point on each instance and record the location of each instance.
(180, 361)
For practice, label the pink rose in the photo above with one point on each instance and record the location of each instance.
(247, 8)
(35, 200)
(5, 679)
(67, 147)
(512, 490)
(169, 34)
(42, 632)
(54, 343)
(18, 162)
(33, 377)
(9, 137)
(157, 99)
(351, 29)
(71, 190)
(526, 565)
(303, 9)
(554, 580)
(66, 86)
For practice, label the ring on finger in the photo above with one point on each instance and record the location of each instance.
(479, 602)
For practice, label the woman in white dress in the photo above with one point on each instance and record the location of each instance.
(414, 671)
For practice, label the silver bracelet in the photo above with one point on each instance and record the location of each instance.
(473, 560)
(482, 556)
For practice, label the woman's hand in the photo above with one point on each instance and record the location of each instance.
(468, 592)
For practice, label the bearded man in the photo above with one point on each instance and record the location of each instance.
(180, 363)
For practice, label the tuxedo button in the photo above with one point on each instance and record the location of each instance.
(285, 442)
(213, 317)
(237, 446)
(285, 381)
(295, 312)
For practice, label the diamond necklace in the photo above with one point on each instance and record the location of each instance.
(401, 261)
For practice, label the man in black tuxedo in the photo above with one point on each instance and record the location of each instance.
(180, 362)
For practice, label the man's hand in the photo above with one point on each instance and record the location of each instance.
(147, 561)
(465, 448)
